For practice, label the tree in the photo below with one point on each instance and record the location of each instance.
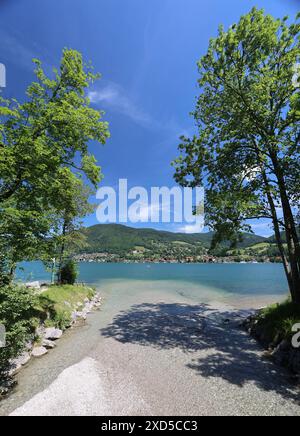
(247, 150)
(43, 144)
(68, 239)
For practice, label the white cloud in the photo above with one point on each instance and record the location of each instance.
(192, 228)
(113, 96)
(263, 228)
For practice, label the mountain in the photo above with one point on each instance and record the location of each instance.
(272, 239)
(116, 238)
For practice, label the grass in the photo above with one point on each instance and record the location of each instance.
(277, 320)
(58, 303)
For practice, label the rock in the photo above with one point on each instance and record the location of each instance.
(39, 351)
(86, 300)
(40, 332)
(29, 346)
(6, 386)
(24, 358)
(48, 344)
(18, 362)
(81, 315)
(53, 333)
(87, 309)
(33, 285)
(74, 316)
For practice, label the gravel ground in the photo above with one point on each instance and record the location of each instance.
(157, 356)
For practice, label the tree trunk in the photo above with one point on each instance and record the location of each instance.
(292, 237)
(62, 250)
(285, 261)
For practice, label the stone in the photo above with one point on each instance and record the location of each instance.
(18, 362)
(40, 331)
(6, 386)
(29, 346)
(24, 358)
(53, 333)
(74, 316)
(33, 285)
(39, 351)
(48, 344)
(81, 315)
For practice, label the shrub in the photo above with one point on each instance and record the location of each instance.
(69, 273)
(277, 320)
(17, 314)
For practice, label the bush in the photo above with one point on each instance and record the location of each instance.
(69, 273)
(277, 320)
(17, 314)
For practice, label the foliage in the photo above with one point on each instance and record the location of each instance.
(69, 272)
(44, 155)
(17, 314)
(277, 320)
(119, 239)
(58, 302)
(247, 150)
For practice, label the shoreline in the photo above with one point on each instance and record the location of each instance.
(93, 362)
(46, 339)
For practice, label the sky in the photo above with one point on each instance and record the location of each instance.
(146, 51)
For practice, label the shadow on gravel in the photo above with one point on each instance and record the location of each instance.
(227, 352)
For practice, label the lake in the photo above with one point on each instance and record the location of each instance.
(242, 284)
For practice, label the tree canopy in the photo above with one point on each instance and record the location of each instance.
(44, 154)
(246, 152)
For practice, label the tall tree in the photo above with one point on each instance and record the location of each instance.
(42, 142)
(247, 150)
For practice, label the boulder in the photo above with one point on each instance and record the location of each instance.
(53, 333)
(33, 285)
(40, 331)
(39, 351)
(81, 315)
(48, 344)
(6, 386)
(18, 362)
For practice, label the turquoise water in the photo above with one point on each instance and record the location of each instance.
(240, 279)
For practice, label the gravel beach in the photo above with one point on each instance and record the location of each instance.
(155, 355)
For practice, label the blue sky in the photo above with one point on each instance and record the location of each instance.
(146, 51)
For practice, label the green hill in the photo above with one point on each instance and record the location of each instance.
(119, 239)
